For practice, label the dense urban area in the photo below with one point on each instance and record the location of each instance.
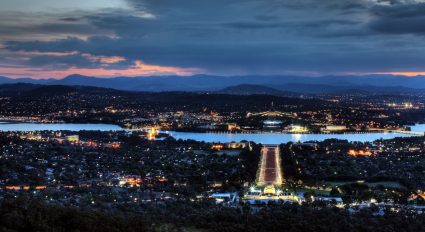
(206, 112)
(140, 178)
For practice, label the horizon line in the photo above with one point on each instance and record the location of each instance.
(394, 74)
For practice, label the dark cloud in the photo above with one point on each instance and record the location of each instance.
(60, 62)
(399, 18)
(399, 10)
(255, 25)
(24, 26)
(240, 36)
(330, 5)
(48, 29)
(70, 19)
(413, 25)
(63, 45)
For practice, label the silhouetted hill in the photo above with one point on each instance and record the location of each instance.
(21, 94)
(325, 84)
(46, 90)
(342, 89)
(245, 89)
(17, 88)
(5, 80)
(64, 89)
(295, 89)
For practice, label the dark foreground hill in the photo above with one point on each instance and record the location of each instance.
(32, 215)
(36, 90)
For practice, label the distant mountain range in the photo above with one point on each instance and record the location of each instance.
(297, 89)
(273, 85)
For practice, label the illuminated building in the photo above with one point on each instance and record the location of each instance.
(224, 197)
(272, 124)
(216, 184)
(269, 190)
(152, 133)
(217, 146)
(232, 127)
(297, 129)
(269, 181)
(332, 128)
(353, 152)
(72, 138)
(240, 145)
(130, 180)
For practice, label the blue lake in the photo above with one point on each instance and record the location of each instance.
(265, 138)
(26, 127)
(281, 138)
(418, 128)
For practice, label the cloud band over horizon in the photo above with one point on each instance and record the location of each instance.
(47, 38)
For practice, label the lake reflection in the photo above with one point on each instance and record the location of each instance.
(265, 138)
(418, 128)
(26, 127)
(281, 138)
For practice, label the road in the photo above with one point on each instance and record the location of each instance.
(270, 171)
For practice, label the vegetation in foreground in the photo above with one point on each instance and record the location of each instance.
(33, 215)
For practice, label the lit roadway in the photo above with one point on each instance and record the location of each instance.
(270, 171)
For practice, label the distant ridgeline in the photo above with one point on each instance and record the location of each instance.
(272, 85)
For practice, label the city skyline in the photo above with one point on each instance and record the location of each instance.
(219, 115)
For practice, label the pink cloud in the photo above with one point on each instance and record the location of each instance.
(138, 69)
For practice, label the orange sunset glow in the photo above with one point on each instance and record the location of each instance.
(137, 69)
(407, 74)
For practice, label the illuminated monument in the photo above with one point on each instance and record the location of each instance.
(269, 183)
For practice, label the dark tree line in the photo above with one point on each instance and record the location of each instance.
(25, 215)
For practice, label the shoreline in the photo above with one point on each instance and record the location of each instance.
(376, 131)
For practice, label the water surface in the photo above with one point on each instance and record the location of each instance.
(26, 127)
(265, 138)
(281, 138)
(418, 128)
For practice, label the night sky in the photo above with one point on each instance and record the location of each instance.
(55, 38)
